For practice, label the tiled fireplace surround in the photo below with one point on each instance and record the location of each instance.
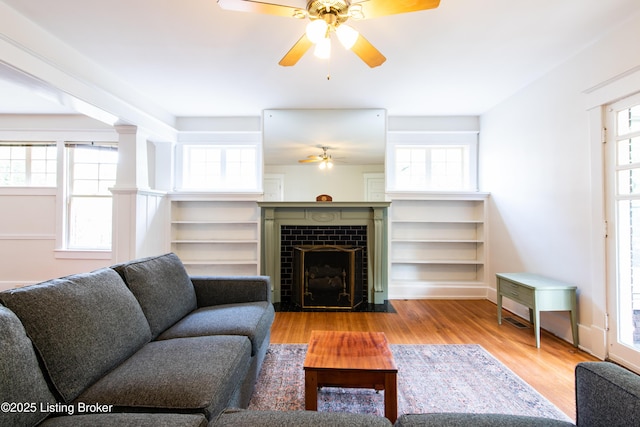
(318, 235)
(288, 224)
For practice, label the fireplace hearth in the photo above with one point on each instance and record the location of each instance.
(327, 276)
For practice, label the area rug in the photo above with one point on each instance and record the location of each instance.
(431, 378)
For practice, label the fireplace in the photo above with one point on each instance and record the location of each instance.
(286, 225)
(327, 276)
(293, 236)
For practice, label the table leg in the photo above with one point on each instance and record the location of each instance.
(499, 308)
(536, 325)
(391, 396)
(311, 390)
(574, 319)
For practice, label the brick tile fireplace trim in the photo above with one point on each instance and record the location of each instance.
(371, 214)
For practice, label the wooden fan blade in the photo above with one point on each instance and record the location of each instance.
(309, 160)
(377, 8)
(296, 52)
(258, 7)
(367, 52)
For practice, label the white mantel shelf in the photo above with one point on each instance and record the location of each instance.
(371, 214)
(324, 205)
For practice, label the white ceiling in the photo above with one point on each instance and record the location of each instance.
(190, 58)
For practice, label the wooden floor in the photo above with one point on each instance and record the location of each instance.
(549, 369)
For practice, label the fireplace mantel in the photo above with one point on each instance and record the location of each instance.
(324, 205)
(371, 214)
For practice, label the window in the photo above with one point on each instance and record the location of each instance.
(92, 171)
(219, 167)
(430, 164)
(433, 167)
(28, 164)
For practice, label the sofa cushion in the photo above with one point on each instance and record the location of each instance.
(127, 420)
(163, 288)
(252, 319)
(476, 420)
(243, 418)
(22, 380)
(606, 395)
(198, 375)
(82, 326)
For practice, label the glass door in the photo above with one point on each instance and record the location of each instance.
(623, 214)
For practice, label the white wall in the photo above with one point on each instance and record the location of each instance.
(28, 240)
(538, 162)
(305, 182)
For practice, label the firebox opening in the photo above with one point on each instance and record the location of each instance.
(327, 276)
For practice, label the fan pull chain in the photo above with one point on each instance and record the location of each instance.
(329, 68)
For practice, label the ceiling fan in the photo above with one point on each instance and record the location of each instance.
(324, 159)
(328, 16)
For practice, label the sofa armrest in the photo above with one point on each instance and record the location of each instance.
(216, 290)
(606, 395)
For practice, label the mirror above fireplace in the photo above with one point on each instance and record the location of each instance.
(354, 136)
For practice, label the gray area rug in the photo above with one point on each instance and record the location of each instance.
(431, 378)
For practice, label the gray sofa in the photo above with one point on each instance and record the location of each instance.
(139, 341)
(143, 344)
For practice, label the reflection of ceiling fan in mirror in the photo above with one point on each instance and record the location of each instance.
(329, 16)
(323, 159)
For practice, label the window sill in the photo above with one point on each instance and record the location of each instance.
(82, 254)
(28, 191)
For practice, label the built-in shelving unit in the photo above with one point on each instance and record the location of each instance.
(216, 235)
(438, 246)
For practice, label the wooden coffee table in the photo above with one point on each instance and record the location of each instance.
(350, 360)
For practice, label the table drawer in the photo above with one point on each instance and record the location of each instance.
(518, 293)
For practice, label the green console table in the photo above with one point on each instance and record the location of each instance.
(538, 293)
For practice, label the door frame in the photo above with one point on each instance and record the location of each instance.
(616, 351)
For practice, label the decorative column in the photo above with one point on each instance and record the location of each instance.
(132, 158)
(131, 178)
(269, 252)
(380, 256)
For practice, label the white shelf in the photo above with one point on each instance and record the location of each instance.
(438, 246)
(252, 242)
(220, 262)
(212, 222)
(432, 283)
(439, 261)
(216, 236)
(438, 241)
(437, 221)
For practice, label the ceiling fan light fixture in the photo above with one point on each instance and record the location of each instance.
(323, 48)
(326, 164)
(317, 30)
(327, 16)
(347, 36)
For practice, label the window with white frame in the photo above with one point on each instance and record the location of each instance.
(219, 167)
(91, 172)
(432, 163)
(30, 164)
